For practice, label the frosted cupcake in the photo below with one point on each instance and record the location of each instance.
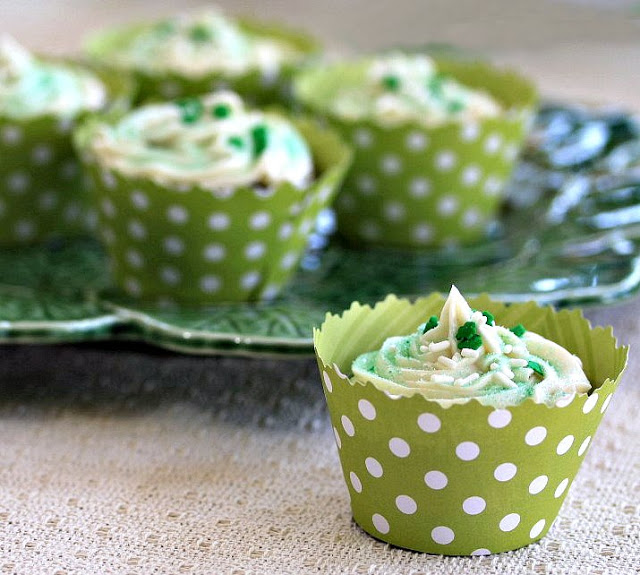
(203, 200)
(196, 53)
(462, 436)
(435, 142)
(43, 195)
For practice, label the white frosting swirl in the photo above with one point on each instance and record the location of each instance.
(398, 88)
(504, 370)
(198, 44)
(213, 142)
(30, 87)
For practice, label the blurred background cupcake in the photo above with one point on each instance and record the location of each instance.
(203, 200)
(196, 53)
(43, 194)
(435, 141)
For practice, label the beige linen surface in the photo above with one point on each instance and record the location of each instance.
(139, 462)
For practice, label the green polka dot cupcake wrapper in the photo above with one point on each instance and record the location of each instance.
(467, 479)
(255, 86)
(417, 186)
(42, 188)
(200, 246)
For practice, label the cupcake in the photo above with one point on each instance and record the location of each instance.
(43, 194)
(460, 427)
(435, 141)
(203, 200)
(194, 54)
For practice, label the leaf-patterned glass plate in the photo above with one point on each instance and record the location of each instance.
(569, 235)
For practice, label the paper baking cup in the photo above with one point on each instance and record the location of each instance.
(416, 186)
(42, 190)
(254, 86)
(466, 479)
(198, 246)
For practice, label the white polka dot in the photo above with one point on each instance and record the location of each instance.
(535, 435)
(170, 275)
(428, 422)
(259, 220)
(566, 400)
(448, 205)
(471, 175)
(565, 444)
(327, 381)
(538, 484)
(390, 164)
(48, 200)
(108, 180)
(65, 125)
(210, 284)
(108, 209)
(366, 185)
(306, 227)
(416, 141)
(135, 259)
(399, 447)
(394, 211)
(499, 418)
(561, 488)
(362, 138)
(41, 154)
(132, 286)
(505, 471)
(492, 186)
(215, 252)
(590, 403)
(470, 132)
(140, 200)
(442, 535)
(285, 231)
(347, 425)
(346, 202)
(250, 280)
(370, 230)
(72, 212)
(108, 235)
(537, 529)
(584, 445)
(474, 505)
(177, 214)
(480, 552)
(173, 245)
(406, 504)
(18, 182)
(492, 143)
(255, 250)
(219, 221)
(296, 209)
(467, 450)
(446, 160)
(11, 135)
(355, 482)
(25, 229)
(471, 217)
(419, 187)
(288, 260)
(366, 409)
(606, 403)
(337, 436)
(136, 230)
(511, 152)
(509, 522)
(380, 523)
(373, 467)
(436, 480)
(270, 291)
(69, 170)
(423, 233)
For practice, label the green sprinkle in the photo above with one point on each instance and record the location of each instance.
(391, 83)
(473, 342)
(535, 366)
(259, 134)
(455, 106)
(467, 336)
(236, 142)
(490, 319)
(221, 111)
(519, 330)
(433, 322)
(199, 33)
(191, 110)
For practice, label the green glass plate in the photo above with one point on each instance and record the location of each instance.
(569, 235)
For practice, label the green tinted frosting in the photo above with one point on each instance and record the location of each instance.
(503, 370)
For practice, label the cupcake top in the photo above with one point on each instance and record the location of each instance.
(199, 44)
(213, 142)
(31, 87)
(463, 354)
(398, 88)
